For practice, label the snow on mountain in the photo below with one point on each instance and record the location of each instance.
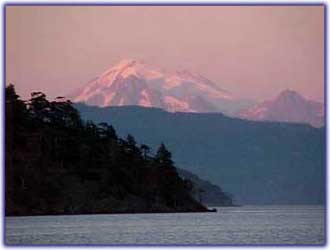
(288, 106)
(132, 82)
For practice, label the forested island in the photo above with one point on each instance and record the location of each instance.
(56, 163)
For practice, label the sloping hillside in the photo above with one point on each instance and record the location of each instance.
(258, 162)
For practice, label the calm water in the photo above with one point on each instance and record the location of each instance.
(240, 225)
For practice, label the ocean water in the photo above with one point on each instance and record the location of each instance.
(232, 225)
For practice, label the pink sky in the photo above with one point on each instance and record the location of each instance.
(253, 52)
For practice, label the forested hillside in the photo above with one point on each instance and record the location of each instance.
(206, 192)
(56, 163)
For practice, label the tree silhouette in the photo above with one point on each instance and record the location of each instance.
(163, 156)
(107, 131)
(39, 107)
(145, 150)
(62, 113)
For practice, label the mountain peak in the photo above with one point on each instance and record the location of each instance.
(289, 93)
(129, 62)
(124, 69)
(288, 106)
(133, 82)
(289, 98)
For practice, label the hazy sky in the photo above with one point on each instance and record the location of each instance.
(253, 52)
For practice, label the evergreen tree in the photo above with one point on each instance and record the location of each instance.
(163, 156)
(145, 150)
(64, 114)
(16, 111)
(131, 141)
(131, 144)
(107, 131)
(39, 107)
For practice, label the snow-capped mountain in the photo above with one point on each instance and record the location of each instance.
(288, 106)
(132, 82)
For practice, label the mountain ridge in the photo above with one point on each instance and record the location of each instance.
(134, 82)
(287, 106)
(256, 161)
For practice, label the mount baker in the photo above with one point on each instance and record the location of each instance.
(132, 82)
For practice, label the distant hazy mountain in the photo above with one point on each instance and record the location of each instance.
(132, 82)
(206, 192)
(258, 162)
(288, 106)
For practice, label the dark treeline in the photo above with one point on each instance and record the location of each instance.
(56, 163)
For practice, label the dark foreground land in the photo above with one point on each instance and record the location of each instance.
(58, 164)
